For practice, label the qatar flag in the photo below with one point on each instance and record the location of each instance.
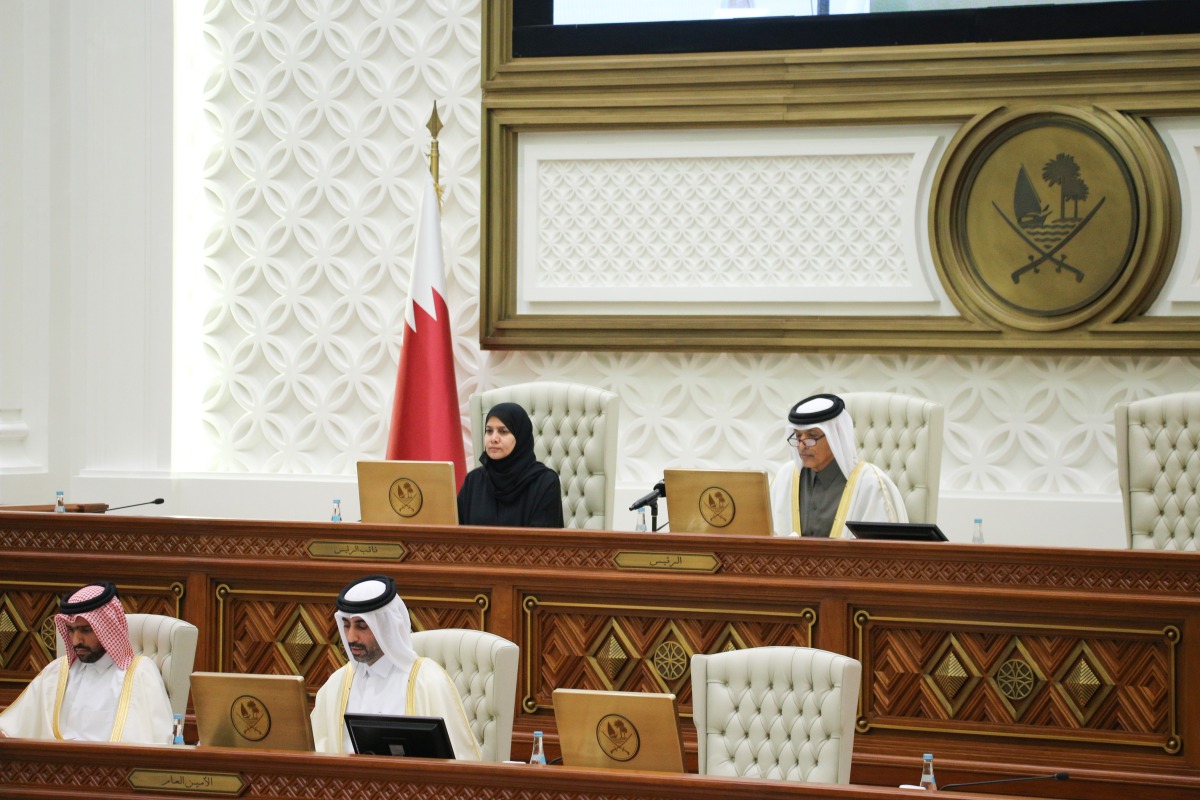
(426, 424)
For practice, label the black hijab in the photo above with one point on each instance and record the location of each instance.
(508, 476)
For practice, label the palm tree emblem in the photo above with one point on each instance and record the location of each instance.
(618, 737)
(1047, 239)
(250, 718)
(405, 497)
(716, 506)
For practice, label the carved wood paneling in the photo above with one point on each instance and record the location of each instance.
(614, 646)
(1111, 685)
(66, 772)
(295, 633)
(1056, 625)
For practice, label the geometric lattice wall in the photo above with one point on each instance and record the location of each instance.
(319, 118)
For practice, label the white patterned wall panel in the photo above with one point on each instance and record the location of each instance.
(717, 222)
(321, 113)
(1181, 295)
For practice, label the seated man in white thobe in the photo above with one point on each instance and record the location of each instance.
(384, 674)
(826, 483)
(99, 691)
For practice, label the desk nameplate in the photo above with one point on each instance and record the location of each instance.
(386, 551)
(161, 780)
(667, 562)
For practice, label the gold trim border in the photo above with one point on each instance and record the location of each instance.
(529, 603)
(1172, 745)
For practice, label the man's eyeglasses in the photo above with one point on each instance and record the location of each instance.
(808, 441)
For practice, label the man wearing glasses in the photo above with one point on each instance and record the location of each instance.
(826, 483)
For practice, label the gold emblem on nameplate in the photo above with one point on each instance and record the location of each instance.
(406, 497)
(1048, 218)
(618, 737)
(717, 507)
(250, 717)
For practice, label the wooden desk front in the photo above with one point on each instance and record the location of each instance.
(69, 771)
(1001, 661)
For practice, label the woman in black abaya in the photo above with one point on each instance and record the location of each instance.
(510, 488)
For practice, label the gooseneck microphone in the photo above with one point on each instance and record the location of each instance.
(158, 501)
(1056, 776)
(660, 490)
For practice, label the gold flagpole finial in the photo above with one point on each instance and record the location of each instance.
(435, 125)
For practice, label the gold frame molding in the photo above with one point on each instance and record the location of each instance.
(1131, 78)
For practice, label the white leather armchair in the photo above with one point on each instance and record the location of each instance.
(1158, 467)
(170, 643)
(902, 435)
(575, 434)
(782, 713)
(483, 667)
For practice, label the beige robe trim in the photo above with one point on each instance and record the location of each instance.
(59, 694)
(123, 702)
(118, 728)
(839, 519)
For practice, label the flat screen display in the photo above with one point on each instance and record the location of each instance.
(553, 28)
(412, 737)
(897, 531)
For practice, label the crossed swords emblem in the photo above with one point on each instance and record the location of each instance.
(406, 495)
(1048, 255)
(1031, 213)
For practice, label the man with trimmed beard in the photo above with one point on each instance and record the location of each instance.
(100, 691)
(384, 674)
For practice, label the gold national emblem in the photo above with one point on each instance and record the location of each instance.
(716, 506)
(405, 497)
(250, 718)
(617, 737)
(1050, 220)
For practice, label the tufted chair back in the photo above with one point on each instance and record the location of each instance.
(575, 434)
(902, 435)
(483, 667)
(1158, 467)
(782, 713)
(170, 643)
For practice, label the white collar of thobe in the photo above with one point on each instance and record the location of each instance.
(100, 666)
(380, 669)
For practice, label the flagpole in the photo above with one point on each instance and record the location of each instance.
(435, 125)
(426, 420)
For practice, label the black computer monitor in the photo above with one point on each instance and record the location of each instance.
(897, 531)
(415, 737)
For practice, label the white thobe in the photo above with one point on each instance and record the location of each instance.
(869, 496)
(99, 703)
(425, 690)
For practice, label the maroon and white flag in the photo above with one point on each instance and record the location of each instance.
(426, 422)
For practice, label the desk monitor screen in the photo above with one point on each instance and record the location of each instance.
(736, 503)
(618, 730)
(415, 737)
(262, 712)
(897, 531)
(408, 492)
